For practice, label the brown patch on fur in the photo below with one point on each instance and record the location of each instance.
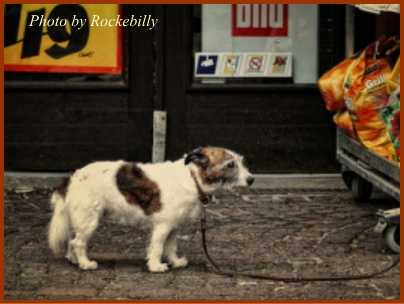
(138, 189)
(62, 188)
(216, 156)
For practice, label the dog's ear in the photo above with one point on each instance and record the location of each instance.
(197, 157)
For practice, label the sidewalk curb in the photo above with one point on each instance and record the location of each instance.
(299, 181)
(50, 180)
(40, 180)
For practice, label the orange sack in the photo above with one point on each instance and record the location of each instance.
(366, 95)
(343, 120)
(331, 85)
(359, 90)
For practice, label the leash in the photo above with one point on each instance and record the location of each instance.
(232, 274)
(206, 198)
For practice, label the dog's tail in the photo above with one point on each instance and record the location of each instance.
(59, 227)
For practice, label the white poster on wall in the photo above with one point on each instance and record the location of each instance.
(301, 39)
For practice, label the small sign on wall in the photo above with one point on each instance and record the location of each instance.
(206, 64)
(159, 136)
(251, 20)
(231, 64)
(254, 64)
(280, 65)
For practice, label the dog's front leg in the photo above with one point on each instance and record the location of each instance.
(171, 251)
(156, 247)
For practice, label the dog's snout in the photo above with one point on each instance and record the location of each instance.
(250, 180)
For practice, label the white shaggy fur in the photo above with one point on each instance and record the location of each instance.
(93, 190)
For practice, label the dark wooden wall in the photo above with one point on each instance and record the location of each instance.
(59, 130)
(285, 131)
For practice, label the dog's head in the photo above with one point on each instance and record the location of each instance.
(219, 167)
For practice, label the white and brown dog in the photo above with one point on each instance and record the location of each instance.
(162, 195)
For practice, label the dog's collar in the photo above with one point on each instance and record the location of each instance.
(202, 196)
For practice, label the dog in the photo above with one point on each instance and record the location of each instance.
(161, 196)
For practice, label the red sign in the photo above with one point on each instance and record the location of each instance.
(260, 20)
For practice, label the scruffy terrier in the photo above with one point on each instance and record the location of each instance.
(162, 196)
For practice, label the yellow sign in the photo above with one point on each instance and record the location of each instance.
(62, 38)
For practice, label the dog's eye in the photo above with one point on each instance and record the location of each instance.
(231, 165)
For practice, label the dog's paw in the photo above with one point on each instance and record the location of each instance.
(90, 265)
(157, 267)
(179, 262)
(71, 258)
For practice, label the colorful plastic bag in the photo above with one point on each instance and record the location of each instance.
(331, 86)
(359, 90)
(366, 95)
(343, 120)
(391, 117)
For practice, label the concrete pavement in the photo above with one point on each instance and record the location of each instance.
(288, 231)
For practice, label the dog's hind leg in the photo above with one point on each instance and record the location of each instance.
(170, 251)
(156, 248)
(84, 227)
(71, 255)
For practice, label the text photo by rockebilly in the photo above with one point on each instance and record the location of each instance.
(146, 21)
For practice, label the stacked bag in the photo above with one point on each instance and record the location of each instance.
(364, 93)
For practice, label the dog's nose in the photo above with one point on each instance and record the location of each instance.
(250, 180)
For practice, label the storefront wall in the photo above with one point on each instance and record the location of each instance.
(280, 127)
(53, 125)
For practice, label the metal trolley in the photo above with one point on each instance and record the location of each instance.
(361, 171)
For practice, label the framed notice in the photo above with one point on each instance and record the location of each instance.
(280, 65)
(255, 65)
(206, 64)
(231, 64)
(62, 38)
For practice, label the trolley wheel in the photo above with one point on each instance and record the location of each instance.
(361, 189)
(392, 237)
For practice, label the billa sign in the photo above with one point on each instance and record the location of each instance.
(260, 20)
(47, 38)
